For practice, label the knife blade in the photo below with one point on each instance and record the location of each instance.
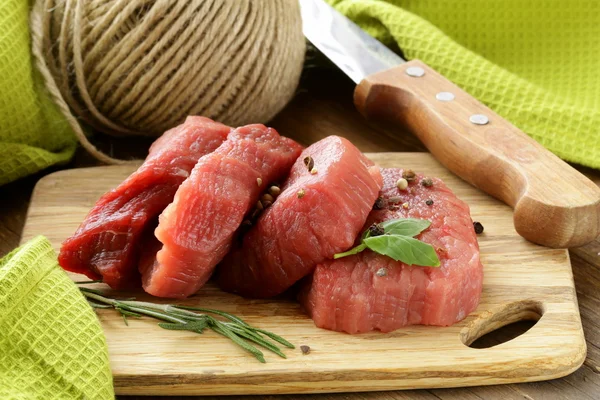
(349, 47)
(554, 204)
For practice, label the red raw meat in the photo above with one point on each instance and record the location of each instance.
(348, 295)
(315, 216)
(197, 229)
(107, 243)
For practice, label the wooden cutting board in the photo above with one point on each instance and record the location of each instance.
(522, 281)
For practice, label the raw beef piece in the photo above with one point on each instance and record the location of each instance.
(106, 245)
(349, 295)
(316, 215)
(197, 229)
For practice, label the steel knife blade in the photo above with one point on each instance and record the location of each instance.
(353, 50)
(463, 134)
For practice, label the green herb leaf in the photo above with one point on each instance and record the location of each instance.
(193, 319)
(397, 242)
(403, 248)
(197, 326)
(352, 251)
(405, 226)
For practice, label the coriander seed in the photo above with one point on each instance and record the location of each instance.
(301, 193)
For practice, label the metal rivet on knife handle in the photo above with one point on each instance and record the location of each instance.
(444, 96)
(479, 119)
(415, 72)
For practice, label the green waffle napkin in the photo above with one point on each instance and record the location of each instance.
(33, 133)
(535, 62)
(51, 343)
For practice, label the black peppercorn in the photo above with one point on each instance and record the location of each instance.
(427, 182)
(478, 227)
(376, 230)
(379, 203)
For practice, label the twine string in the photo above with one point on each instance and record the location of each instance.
(139, 67)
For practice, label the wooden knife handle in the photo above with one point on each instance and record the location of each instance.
(554, 205)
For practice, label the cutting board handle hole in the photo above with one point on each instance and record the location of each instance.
(501, 324)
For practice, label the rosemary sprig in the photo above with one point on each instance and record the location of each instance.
(194, 319)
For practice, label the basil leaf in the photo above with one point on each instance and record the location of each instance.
(366, 234)
(405, 226)
(403, 248)
(352, 251)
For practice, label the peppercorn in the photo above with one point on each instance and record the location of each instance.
(379, 203)
(427, 182)
(267, 197)
(409, 175)
(402, 184)
(478, 227)
(394, 200)
(309, 162)
(274, 191)
(376, 230)
(429, 202)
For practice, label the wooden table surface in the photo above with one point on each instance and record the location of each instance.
(325, 100)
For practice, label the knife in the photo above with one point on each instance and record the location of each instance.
(554, 205)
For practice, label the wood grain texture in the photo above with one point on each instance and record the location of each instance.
(555, 205)
(522, 280)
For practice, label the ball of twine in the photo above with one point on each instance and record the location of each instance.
(139, 67)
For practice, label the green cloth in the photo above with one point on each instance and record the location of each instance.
(534, 62)
(33, 133)
(51, 343)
